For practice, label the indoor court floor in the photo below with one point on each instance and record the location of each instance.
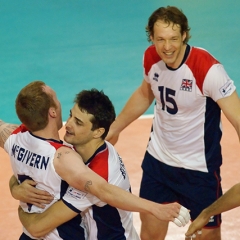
(78, 44)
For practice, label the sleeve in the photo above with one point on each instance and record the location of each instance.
(145, 76)
(217, 83)
(79, 201)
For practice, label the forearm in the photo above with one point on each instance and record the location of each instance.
(137, 104)
(122, 199)
(230, 200)
(13, 183)
(89, 181)
(40, 224)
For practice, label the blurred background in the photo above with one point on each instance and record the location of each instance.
(77, 44)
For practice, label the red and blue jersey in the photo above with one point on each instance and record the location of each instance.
(186, 129)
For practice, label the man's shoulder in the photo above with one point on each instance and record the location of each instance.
(202, 54)
(150, 58)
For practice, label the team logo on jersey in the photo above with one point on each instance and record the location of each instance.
(186, 85)
(226, 88)
(155, 77)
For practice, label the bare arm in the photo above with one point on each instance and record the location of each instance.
(72, 169)
(231, 109)
(39, 224)
(137, 104)
(228, 201)
(5, 131)
(26, 192)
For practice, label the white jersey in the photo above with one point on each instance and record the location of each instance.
(32, 158)
(101, 220)
(186, 129)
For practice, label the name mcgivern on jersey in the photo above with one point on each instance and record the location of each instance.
(30, 158)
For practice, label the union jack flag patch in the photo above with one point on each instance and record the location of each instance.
(186, 85)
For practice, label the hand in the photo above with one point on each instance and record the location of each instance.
(195, 236)
(173, 212)
(196, 226)
(183, 217)
(26, 192)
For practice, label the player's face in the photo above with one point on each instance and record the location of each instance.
(169, 43)
(78, 128)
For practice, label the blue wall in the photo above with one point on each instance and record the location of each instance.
(74, 45)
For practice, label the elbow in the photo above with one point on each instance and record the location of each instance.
(35, 231)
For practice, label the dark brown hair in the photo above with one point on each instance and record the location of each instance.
(99, 105)
(169, 14)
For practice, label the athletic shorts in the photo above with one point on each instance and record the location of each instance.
(194, 190)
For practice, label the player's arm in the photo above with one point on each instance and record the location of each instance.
(71, 168)
(137, 104)
(39, 224)
(5, 131)
(26, 192)
(231, 109)
(228, 201)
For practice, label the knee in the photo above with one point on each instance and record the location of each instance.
(150, 234)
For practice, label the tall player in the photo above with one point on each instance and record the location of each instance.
(37, 152)
(183, 156)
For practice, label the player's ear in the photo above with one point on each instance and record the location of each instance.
(151, 38)
(99, 132)
(52, 112)
(184, 36)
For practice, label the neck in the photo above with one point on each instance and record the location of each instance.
(87, 150)
(49, 132)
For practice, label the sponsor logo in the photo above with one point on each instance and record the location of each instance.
(76, 193)
(226, 88)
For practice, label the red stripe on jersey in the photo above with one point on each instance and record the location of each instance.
(200, 61)
(21, 128)
(151, 57)
(99, 164)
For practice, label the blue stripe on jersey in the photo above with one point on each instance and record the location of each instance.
(109, 223)
(25, 237)
(72, 230)
(64, 187)
(212, 135)
(71, 206)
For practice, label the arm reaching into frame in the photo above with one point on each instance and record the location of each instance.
(228, 201)
(40, 224)
(71, 168)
